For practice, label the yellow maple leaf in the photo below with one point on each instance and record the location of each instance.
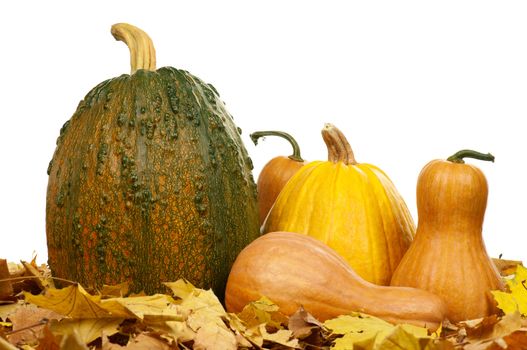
(261, 311)
(202, 318)
(72, 341)
(141, 307)
(181, 288)
(516, 300)
(87, 329)
(361, 331)
(115, 290)
(178, 330)
(72, 301)
(282, 337)
(211, 337)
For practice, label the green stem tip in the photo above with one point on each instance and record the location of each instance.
(468, 153)
(296, 148)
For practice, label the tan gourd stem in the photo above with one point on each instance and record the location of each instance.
(339, 149)
(142, 51)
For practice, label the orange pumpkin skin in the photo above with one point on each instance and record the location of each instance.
(294, 270)
(448, 256)
(272, 179)
(275, 174)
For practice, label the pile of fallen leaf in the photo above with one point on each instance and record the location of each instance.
(36, 315)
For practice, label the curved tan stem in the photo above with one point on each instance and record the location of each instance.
(142, 51)
(339, 149)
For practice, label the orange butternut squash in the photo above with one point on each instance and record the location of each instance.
(448, 256)
(352, 207)
(296, 270)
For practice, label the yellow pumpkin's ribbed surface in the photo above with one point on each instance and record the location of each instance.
(355, 209)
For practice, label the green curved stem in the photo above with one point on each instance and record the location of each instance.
(468, 153)
(296, 149)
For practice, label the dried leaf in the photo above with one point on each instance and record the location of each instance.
(39, 278)
(146, 342)
(88, 329)
(514, 341)
(282, 337)
(181, 288)
(303, 324)
(211, 337)
(358, 327)
(140, 306)
(204, 308)
(5, 345)
(263, 311)
(481, 329)
(516, 300)
(484, 333)
(48, 341)
(7, 309)
(364, 331)
(115, 291)
(400, 338)
(72, 301)
(506, 267)
(206, 317)
(240, 330)
(6, 288)
(72, 341)
(28, 324)
(16, 270)
(179, 331)
(499, 328)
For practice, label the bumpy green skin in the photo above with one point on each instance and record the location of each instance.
(150, 182)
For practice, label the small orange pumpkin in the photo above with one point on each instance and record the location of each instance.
(275, 174)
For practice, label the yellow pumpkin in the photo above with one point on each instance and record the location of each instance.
(352, 207)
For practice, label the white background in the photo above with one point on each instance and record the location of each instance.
(407, 81)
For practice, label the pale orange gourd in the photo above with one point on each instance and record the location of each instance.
(448, 256)
(352, 207)
(276, 172)
(294, 270)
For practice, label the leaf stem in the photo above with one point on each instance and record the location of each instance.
(38, 324)
(21, 278)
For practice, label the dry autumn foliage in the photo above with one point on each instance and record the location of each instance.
(34, 315)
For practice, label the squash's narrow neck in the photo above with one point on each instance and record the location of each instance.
(339, 149)
(142, 51)
(468, 153)
(296, 149)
